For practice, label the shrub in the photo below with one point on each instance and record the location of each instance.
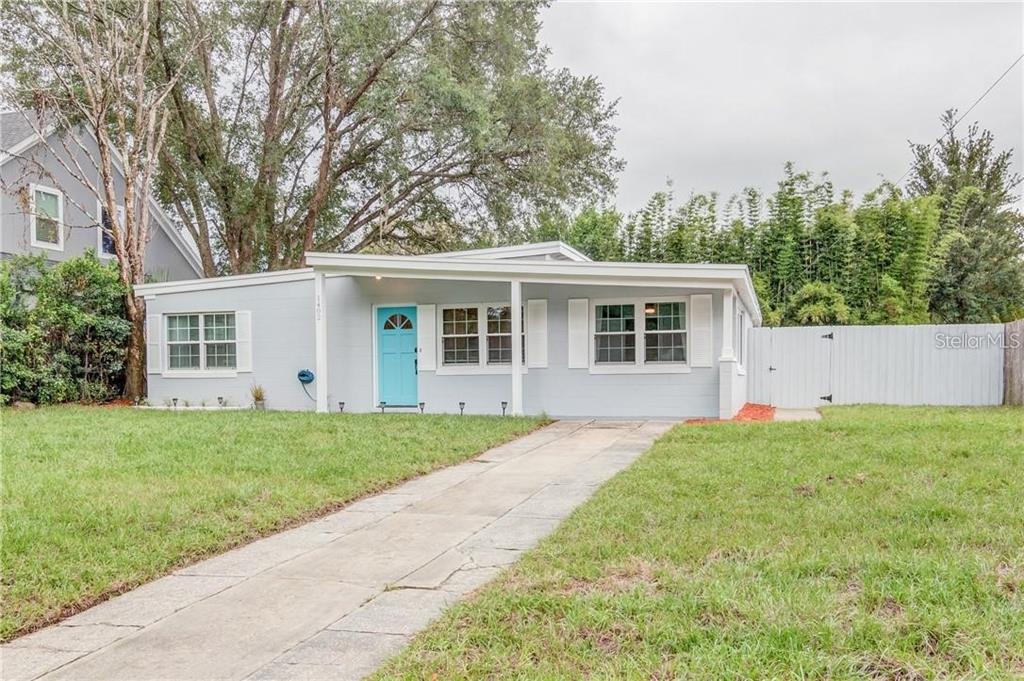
(63, 330)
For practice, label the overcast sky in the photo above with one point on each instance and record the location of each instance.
(719, 96)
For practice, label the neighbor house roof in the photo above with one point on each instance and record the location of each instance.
(18, 135)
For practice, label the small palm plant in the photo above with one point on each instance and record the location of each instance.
(259, 396)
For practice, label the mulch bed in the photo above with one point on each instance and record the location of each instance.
(749, 412)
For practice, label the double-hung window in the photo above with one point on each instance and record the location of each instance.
(615, 334)
(665, 332)
(201, 341)
(47, 218)
(479, 335)
(640, 333)
(460, 336)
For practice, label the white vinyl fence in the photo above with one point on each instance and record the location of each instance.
(811, 366)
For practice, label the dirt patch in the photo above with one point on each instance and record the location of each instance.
(609, 640)
(890, 609)
(806, 490)
(891, 670)
(1010, 579)
(636, 574)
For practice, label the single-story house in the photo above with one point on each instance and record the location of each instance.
(527, 329)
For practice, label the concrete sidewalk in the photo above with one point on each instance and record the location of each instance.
(335, 598)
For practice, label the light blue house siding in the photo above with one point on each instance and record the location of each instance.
(282, 338)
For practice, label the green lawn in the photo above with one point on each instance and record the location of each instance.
(98, 500)
(879, 542)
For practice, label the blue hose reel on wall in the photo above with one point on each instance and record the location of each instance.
(306, 377)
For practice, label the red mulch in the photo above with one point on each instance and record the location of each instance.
(115, 404)
(749, 412)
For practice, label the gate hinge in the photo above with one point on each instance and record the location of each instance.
(830, 336)
(826, 398)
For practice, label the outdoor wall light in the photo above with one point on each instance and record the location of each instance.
(423, 405)
(462, 408)
(504, 405)
(377, 277)
(341, 407)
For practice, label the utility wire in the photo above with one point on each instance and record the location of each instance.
(969, 110)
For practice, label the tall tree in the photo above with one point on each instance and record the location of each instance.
(316, 125)
(982, 280)
(87, 68)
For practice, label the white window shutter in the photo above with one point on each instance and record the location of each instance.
(579, 333)
(700, 330)
(426, 336)
(537, 333)
(154, 365)
(243, 340)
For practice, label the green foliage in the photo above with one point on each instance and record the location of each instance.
(817, 304)
(63, 329)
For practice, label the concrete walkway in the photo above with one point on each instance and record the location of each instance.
(335, 598)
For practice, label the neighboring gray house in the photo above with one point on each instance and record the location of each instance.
(443, 332)
(45, 210)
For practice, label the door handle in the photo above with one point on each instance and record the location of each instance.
(416, 366)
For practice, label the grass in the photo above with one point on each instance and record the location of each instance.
(879, 543)
(99, 500)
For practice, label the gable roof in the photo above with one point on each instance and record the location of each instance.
(18, 134)
(546, 250)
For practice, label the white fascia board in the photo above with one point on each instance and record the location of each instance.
(524, 250)
(213, 283)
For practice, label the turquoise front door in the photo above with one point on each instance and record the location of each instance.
(396, 356)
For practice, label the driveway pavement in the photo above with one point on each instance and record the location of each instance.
(336, 597)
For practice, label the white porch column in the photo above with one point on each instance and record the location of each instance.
(516, 303)
(320, 310)
(728, 353)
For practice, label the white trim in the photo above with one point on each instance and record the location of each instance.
(36, 243)
(481, 367)
(320, 341)
(519, 345)
(235, 281)
(545, 248)
(639, 365)
(703, 276)
(199, 373)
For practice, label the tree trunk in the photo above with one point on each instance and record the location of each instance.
(135, 360)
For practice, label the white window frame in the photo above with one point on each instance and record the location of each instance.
(202, 371)
(36, 243)
(100, 206)
(638, 366)
(481, 367)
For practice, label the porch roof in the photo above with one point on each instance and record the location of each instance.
(543, 272)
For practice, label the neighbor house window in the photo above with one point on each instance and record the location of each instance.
(460, 335)
(664, 332)
(105, 239)
(201, 341)
(615, 334)
(47, 217)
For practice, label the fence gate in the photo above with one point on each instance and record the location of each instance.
(792, 370)
(812, 366)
